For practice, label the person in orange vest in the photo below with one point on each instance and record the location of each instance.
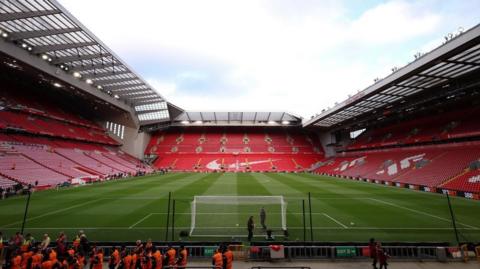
(135, 260)
(52, 256)
(157, 258)
(98, 260)
(47, 264)
(171, 256)
(80, 260)
(16, 260)
(126, 261)
(227, 258)
(182, 257)
(26, 259)
(37, 259)
(217, 259)
(114, 258)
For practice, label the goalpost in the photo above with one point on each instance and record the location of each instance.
(228, 215)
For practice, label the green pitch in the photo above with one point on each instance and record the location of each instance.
(342, 210)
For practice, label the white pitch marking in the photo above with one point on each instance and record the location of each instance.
(336, 221)
(421, 212)
(54, 212)
(138, 222)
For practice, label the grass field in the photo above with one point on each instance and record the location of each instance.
(342, 210)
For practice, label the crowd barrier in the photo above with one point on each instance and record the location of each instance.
(298, 252)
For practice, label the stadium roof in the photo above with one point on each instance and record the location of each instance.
(46, 30)
(237, 119)
(458, 56)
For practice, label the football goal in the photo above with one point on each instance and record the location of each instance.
(217, 216)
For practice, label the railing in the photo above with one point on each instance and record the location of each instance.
(262, 253)
(417, 253)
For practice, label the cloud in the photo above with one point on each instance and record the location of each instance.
(162, 87)
(394, 21)
(297, 56)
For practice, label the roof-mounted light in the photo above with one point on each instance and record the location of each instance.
(57, 85)
(198, 122)
(77, 75)
(89, 81)
(285, 122)
(271, 122)
(185, 122)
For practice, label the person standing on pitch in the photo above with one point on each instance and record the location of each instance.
(250, 227)
(263, 216)
(372, 246)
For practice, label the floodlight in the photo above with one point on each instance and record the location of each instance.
(57, 85)
(198, 122)
(285, 122)
(44, 56)
(185, 122)
(24, 45)
(89, 81)
(271, 122)
(77, 75)
(29, 48)
(116, 96)
(99, 87)
(5, 35)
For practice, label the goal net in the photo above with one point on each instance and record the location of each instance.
(218, 216)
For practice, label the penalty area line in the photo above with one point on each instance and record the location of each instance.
(140, 221)
(336, 221)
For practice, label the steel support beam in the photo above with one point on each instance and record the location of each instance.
(125, 87)
(131, 96)
(89, 67)
(461, 62)
(27, 14)
(114, 80)
(56, 47)
(41, 33)
(67, 59)
(107, 74)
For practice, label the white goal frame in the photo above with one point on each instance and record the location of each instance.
(235, 200)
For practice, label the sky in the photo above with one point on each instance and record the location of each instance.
(297, 56)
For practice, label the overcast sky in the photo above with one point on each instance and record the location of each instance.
(298, 56)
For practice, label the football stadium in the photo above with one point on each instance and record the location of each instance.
(99, 168)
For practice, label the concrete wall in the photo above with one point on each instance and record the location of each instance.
(134, 143)
(325, 139)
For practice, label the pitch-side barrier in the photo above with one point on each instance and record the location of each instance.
(298, 252)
